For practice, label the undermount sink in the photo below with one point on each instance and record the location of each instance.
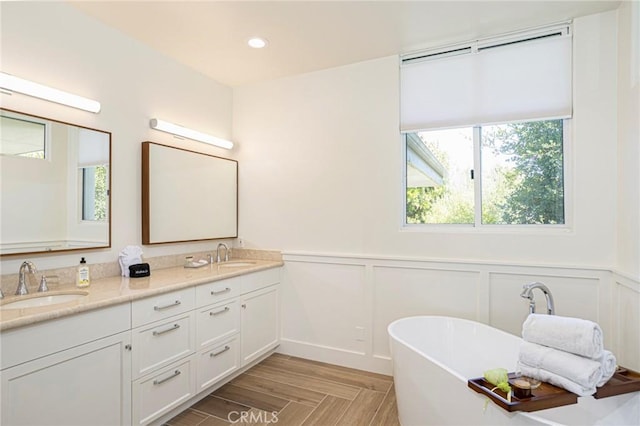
(234, 264)
(43, 299)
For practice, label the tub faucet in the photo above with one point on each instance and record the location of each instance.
(226, 252)
(527, 294)
(22, 285)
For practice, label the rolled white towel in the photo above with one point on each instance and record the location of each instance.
(555, 379)
(575, 335)
(586, 372)
(608, 362)
(130, 255)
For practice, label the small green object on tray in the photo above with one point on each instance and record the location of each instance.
(543, 397)
(499, 377)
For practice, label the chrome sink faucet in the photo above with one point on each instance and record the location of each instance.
(226, 252)
(527, 293)
(30, 268)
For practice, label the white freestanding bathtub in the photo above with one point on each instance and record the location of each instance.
(433, 357)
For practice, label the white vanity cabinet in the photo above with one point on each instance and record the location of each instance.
(163, 342)
(187, 341)
(140, 362)
(71, 371)
(260, 314)
(218, 330)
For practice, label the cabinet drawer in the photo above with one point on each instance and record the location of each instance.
(215, 323)
(161, 306)
(216, 291)
(163, 391)
(162, 343)
(262, 279)
(217, 362)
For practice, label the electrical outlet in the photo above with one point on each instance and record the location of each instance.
(360, 334)
(240, 242)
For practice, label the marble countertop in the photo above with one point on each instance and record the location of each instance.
(114, 290)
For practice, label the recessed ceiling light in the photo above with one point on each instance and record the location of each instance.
(257, 42)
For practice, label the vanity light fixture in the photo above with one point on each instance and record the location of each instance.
(165, 126)
(12, 83)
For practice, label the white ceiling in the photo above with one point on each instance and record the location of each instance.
(304, 36)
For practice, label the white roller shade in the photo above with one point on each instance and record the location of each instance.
(93, 148)
(525, 80)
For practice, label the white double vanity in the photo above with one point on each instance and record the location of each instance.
(137, 351)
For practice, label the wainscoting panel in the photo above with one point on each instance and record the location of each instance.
(323, 303)
(336, 308)
(405, 291)
(573, 297)
(627, 320)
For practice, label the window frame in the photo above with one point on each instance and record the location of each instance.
(47, 149)
(478, 226)
(82, 191)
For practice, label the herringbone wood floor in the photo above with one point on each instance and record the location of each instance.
(290, 391)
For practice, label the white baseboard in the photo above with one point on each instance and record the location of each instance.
(351, 359)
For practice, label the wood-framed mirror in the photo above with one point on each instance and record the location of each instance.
(55, 182)
(187, 195)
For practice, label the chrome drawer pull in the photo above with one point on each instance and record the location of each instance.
(215, 293)
(170, 305)
(174, 327)
(221, 311)
(220, 352)
(161, 381)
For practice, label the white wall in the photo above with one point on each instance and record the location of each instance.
(626, 289)
(54, 44)
(321, 167)
(322, 163)
(320, 172)
(628, 219)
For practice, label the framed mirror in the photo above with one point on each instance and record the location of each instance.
(187, 195)
(55, 182)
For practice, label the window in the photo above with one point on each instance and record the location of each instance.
(93, 152)
(94, 192)
(440, 188)
(23, 138)
(484, 124)
(507, 174)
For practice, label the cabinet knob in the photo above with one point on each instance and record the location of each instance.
(244, 305)
(127, 347)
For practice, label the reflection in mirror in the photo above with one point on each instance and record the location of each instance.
(187, 195)
(55, 182)
(94, 192)
(22, 136)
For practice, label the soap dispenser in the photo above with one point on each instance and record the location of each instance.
(83, 274)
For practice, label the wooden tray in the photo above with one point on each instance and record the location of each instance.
(545, 396)
(623, 381)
